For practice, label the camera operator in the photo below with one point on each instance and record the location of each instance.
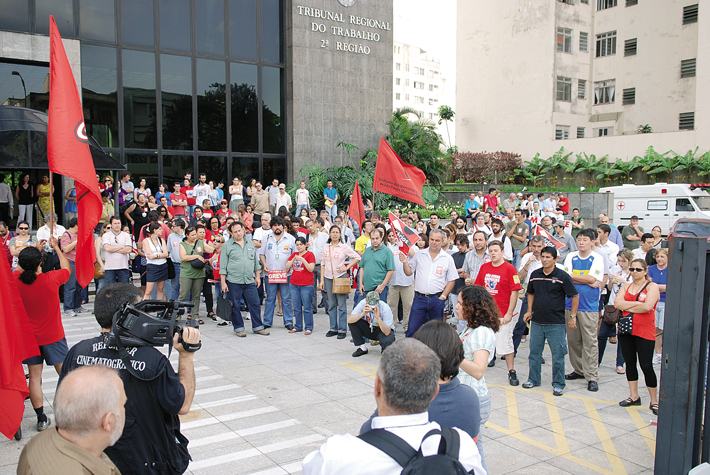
(151, 442)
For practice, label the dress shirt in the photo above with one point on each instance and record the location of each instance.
(283, 200)
(432, 276)
(239, 262)
(340, 252)
(473, 263)
(616, 238)
(316, 245)
(399, 277)
(570, 245)
(44, 233)
(350, 455)
(535, 265)
(174, 241)
(610, 250)
(116, 260)
(385, 313)
(277, 251)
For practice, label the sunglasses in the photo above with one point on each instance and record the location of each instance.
(636, 269)
(23, 229)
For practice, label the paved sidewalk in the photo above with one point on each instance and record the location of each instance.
(263, 403)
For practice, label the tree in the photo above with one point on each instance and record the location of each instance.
(534, 170)
(589, 164)
(446, 115)
(644, 129)
(703, 164)
(666, 163)
(349, 148)
(627, 167)
(607, 171)
(688, 161)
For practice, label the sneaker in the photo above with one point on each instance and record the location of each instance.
(374, 343)
(331, 333)
(261, 332)
(222, 324)
(557, 391)
(492, 363)
(241, 334)
(657, 358)
(529, 384)
(70, 313)
(359, 352)
(81, 310)
(42, 425)
(513, 378)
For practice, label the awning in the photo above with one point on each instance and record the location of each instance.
(23, 141)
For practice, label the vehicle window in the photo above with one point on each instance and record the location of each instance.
(683, 204)
(695, 229)
(657, 205)
(702, 202)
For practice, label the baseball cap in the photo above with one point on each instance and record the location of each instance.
(520, 194)
(282, 185)
(634, 217)
(372, 298)
(224, 201)
(559, 223)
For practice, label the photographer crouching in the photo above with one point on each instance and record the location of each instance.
(151, 442)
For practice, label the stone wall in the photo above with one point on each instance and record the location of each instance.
(338, 88)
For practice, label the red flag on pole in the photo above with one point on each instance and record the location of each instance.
(396, 178)
(68, 151)
(17, 343)
(356, 209)
(406, 236)
(550, 240)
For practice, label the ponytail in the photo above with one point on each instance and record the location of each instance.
(29, 259)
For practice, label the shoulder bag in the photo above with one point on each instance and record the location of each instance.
(341, 285)
(196, 263)
(626, 322)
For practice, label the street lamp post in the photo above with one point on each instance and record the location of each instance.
(16, 73)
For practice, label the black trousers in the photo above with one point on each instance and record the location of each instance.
(207, 292)
(5, 213)
(631, 346)
(361, 329)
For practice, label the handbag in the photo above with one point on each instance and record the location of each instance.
(341, 285)
(171, 269)
(611, 315)
(98, 271)
(224, 307)
(196, 263)
(626, 322)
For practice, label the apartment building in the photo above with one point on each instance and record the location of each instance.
(535, 75)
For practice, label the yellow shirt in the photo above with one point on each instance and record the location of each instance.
(361, 243)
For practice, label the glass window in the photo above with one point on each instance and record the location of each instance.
(175, 25)
(564, 88)
(139, 99)
(99, 93)
(271, 31)
(658, 205)
(215, 168)
(63, 12)
(15, 15)
(564, 40)
(272, 88)
(137, 23)
(13, 148)
(143, 167)
(98, 20)
(176, 94)
(209, 22)
(275, 168)
(245, 108)
(175, 167)
(245, 168)
(604, 91)
(211, 105)
(242, 29)
(12, 90)
(38, 145)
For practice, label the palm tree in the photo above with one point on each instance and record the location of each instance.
(644, 129)
(589, 164)
(703, 164)
(666, 163)
(446, 115)
(688, 161)
(607, 170)
(558, 160)
(627, 167)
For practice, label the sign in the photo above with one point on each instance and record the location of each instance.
(406, 236)
(549, 239)
(277, 277)
(568, 227)
(620, 205)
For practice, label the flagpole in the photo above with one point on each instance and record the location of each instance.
(51, 203)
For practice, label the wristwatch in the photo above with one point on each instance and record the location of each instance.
(572, 316)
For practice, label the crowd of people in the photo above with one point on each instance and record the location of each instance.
(446, 308)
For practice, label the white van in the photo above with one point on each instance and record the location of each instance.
(661, 204)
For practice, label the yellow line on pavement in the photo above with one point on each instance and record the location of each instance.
(513, 420)
(556, 423)
(604, 438)
(643, 428)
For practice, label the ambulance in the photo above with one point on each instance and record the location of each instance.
(661, 204)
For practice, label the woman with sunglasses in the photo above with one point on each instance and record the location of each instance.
(156, 254)
(108, 185)
(618, 276)
(640, 298)
(21, 241)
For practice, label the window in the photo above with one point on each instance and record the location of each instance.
(406, 97)
(209, 27)
(687, 68)
(431, 102)
(431, 116)
(630, 47)
(431, 87)
(421, 85)
(683, 204)
(562, 132)
(243, 37)
(657, 205)
(687, 121)
(580, 132)
(421, 71)
(602, 132)
(604, 4)
(606, 44)
(583, 41)
(629, 96)
(398, 66)
(397, 96)
(631, 3)
(564, 40)
(137, 23)
(568, 2)
(245, 112)
(585, 2)
(416, 85)
(406, 82)
(406, 67)
(604, 91)
(398, 81)
(690, 14)
(581, 89)
(564, 88)
(431, 73)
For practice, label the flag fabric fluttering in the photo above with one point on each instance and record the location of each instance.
(396, 178)
(550, 240)
(68, 151)
(406, 236)
(356, 210)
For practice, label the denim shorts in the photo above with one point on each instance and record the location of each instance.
(660, 314)
(53, 354)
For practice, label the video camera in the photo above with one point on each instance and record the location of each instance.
(133, 326)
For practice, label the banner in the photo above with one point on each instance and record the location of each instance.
(568, 227)
(356, 210)
(549, 239)
(68, 152)
(396, 178)
(406, 236)
(277, 277)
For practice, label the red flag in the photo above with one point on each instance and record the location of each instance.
(396, 178)
(406, 236)
(550, 240)
(356, 209)
(17, 343)
(68, 151)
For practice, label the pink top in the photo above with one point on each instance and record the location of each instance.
(340, 252)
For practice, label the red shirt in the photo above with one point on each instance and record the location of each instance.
(179, 197)
(44, 313)
(190, 193)
(300, 275)
(215, 268)
(490, 202)
(499, 282)
(563, 204)
(644, 323)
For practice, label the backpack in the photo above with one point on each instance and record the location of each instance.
(444, 462)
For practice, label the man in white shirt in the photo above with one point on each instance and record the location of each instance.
(283, 199)
(273, 191)
(202, 190)
(303, 199)
(606, 246)
(498, 234)
(117, 246)
(406, 364)
(646, 245)
(259, 233)
(43, 234)
(479, 224)
(434, 276)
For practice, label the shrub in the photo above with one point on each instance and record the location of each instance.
(485, 167)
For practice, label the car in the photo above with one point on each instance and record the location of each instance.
(691, 227)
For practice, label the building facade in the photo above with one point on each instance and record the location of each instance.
(247, 88)
(584, 74)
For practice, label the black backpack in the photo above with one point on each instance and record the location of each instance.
(445, 461)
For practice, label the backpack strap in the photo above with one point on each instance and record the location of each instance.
(451, 441)
(391, 444)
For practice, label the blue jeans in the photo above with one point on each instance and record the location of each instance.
(72, 291)
(271, 290)
(191, 211)
(337, 308)
(113, 276)
(520, 326)
(556, 336)
(424, 309)
(606, 331)
(298, 210)
(302, 296)
(383, 295)
(175, 283)
(100, 283)
(516, 257)
(333, 212)
(248, 292)
(485, 405)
